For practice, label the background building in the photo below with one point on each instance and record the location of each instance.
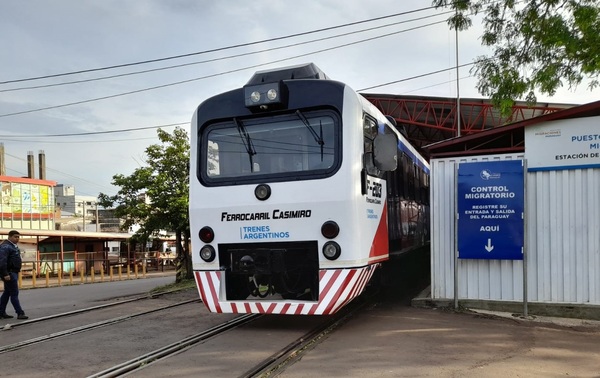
(26, 202)
(77, 205)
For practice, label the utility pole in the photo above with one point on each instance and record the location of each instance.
(457, 86)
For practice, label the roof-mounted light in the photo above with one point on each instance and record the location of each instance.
(255, 97)
(272, 94)
(265, 96)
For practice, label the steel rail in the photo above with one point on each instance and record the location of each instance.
(9, 326)
(171, 349)
(278, 362)
(87, 327)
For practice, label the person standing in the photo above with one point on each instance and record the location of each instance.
(10, 266)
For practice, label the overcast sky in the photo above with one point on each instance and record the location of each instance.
(42, 38)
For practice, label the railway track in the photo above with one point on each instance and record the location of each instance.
(175, 333)
(285, 357)
(84, 328)
(173, 348)
(273, 365)
(10, 326)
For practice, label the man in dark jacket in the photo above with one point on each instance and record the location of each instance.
(10, 266)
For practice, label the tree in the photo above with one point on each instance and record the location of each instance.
(155, 196)
(537, 45)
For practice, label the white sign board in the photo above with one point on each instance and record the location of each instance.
(564, 144)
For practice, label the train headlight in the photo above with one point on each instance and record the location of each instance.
(272, 94)
(206, 234)
(207, 253)
(264, 96)
(255, 96)
(331, 250)
(262, 192)
(330, 229)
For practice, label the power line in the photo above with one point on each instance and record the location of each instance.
(97, 132)
(62, 173)
(225, 57)
(216, 74)
(436, 84)
(76, 141)
(187, 123)
(217, 49)
(414, 77)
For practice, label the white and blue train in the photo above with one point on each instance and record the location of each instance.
(299, 189)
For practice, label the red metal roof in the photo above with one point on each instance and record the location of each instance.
(429, 120)
(505, 139)
(26, 180)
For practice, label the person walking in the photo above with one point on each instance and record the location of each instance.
(10, 266)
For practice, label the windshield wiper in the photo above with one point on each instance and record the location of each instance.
(318, 138)
(247, 141)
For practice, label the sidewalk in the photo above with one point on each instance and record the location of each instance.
(513, 309)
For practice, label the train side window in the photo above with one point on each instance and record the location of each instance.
(410, 173)
(392, 184)
(425, 188)
(399, 177)
(417, 183)
(369, 134)
(406, 168)
(369, 128)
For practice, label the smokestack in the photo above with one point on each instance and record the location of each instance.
(42, 164)
(2, 163)
(30, 165)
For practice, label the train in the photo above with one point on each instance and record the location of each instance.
(300, 189)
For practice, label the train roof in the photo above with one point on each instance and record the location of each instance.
(301, 71)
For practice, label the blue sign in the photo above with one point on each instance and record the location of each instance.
(490, 210)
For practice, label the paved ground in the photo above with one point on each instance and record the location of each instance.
(396, 340)
(42, 302)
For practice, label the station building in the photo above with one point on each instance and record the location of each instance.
(557, 271)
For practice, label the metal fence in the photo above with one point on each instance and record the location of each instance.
(90, 267)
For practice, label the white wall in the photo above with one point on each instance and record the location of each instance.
(564, 245)
(562, 233)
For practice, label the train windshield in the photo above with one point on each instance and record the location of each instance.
(300, 145)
